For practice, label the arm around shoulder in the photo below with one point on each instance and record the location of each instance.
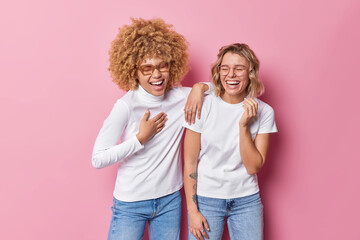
(195, 100)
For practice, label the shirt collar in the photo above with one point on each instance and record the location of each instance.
(149, 97)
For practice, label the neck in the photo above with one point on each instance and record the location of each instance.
(148, 96)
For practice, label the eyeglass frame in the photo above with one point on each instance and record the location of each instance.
(234, 68)
(153, 68)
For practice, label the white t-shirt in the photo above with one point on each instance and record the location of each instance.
(144, 171)
(221, 173)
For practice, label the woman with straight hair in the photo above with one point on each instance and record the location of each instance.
(225, 149)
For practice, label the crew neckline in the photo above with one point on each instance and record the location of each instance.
(232, 105)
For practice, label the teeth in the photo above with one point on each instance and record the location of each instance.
(157, 83)
(232, 82)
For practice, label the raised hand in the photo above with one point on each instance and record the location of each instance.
(251, 107)
(148, 128)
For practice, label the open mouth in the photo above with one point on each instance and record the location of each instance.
(233, 83)
(158, 83)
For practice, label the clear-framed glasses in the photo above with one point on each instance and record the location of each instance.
(148, 69)
(225, 69)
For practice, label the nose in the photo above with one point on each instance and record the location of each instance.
(231, 72)
(156, 73)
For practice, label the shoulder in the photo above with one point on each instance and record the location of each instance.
(179, 91)
(122, 105)
(176, 94)
(128, 97)
(209, 102)
(266, 113)
(263, 107)
(209, 99)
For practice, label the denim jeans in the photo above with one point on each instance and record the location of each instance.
(244, 217)
(162, 214)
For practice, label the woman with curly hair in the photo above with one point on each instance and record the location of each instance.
(225, 149)
(148, 60)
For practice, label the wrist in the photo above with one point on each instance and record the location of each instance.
(200, 86)
(204, 87)
(243, 127)
(140, 138)
(193, 210)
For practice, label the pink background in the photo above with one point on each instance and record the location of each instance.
(56, 92)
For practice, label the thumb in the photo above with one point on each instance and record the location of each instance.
(146, 115)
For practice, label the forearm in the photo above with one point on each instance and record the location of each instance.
(104, 156)
(191, 154)
(190, 184)
(250, 155)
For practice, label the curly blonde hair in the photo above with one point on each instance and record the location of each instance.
(145, 39)
(255, 87)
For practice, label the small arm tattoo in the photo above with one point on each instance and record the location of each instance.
(193, 175)
(194, 198)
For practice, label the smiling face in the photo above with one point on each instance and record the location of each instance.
(234, 77)
(156, 82)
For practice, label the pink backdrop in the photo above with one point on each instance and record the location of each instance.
(56, 92)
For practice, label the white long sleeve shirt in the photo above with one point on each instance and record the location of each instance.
(144, 171)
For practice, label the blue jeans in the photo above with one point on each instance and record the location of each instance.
(162, 214)
(244, 217)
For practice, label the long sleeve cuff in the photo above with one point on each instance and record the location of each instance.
(106, 157)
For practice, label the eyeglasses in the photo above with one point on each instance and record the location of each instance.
(148, 69)
(225, 69)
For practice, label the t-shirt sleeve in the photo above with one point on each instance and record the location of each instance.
(196, 127)
(211, 88)
(106, 150)
(267, 120)
(199, 123)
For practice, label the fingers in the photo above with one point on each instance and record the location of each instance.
(157, 117)
(160, 128)
(190, 113)
(199, 110)
(193, 232)
(199, 231)
(250, 111)
(193, 114)
(161, 119)
(197, 234)
(146, 115)
(187, 114)
(189, 110)
(251, 106)
(206, 225)
(203, 232)
(161, 123)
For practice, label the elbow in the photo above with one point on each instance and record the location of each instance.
(252, 171)
(255, 168)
